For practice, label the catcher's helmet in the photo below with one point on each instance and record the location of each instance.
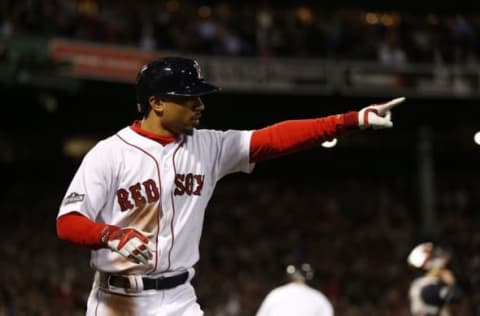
(303, 271)
(428, 256)
(173, 76)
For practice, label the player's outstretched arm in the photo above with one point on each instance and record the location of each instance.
(296, 135)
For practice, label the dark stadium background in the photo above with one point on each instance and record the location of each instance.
(353, 211)
(39, 173)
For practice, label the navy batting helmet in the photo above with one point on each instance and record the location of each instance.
(172, 76)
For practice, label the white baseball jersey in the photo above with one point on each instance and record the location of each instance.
(295, 299)
(132, 181)
(418, 305)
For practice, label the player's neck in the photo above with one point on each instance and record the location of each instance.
(152, 125)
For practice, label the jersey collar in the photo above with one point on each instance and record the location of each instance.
(164, 140)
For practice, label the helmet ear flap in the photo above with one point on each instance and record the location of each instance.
(142, 103)
(140, 108)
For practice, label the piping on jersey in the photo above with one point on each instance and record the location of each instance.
(98, 301)
(160, 201)
(173, 207)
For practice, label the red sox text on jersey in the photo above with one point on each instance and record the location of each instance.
(139, 194)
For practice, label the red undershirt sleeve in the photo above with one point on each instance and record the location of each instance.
(78, 229)
(296, 135)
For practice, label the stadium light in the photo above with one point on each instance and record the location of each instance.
(330, 143)
(476, 138)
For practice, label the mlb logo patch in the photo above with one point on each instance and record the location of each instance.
(73, 198)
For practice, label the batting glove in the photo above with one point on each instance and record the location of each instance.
(378, 116)
(128, 242)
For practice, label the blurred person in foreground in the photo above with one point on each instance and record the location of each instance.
(296, 297)
(139, 197)
(433, 293)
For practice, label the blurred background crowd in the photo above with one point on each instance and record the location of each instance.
(354, 212)
(264, 29)
(355, 231)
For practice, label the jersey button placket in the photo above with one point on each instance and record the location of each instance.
(168, 184)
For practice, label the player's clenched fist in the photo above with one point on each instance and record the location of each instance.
(378, 116)
(128, 242)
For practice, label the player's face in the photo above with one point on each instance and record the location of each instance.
(182, 114)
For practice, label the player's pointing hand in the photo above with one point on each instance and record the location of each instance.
(378, 116)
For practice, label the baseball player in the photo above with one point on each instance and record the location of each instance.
(138, 198)
(432, 293)
(296, 297)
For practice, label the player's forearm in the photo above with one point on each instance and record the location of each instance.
(296, 135)
(78, 229)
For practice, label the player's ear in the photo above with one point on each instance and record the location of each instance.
(156, 103)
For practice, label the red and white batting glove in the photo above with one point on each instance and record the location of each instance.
(128, 242)
(378, 116)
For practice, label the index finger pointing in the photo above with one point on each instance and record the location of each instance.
(390, 104)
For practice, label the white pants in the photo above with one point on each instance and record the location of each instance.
(179, 301)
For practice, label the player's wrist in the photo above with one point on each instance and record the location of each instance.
(350, 120)
(105, 235)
